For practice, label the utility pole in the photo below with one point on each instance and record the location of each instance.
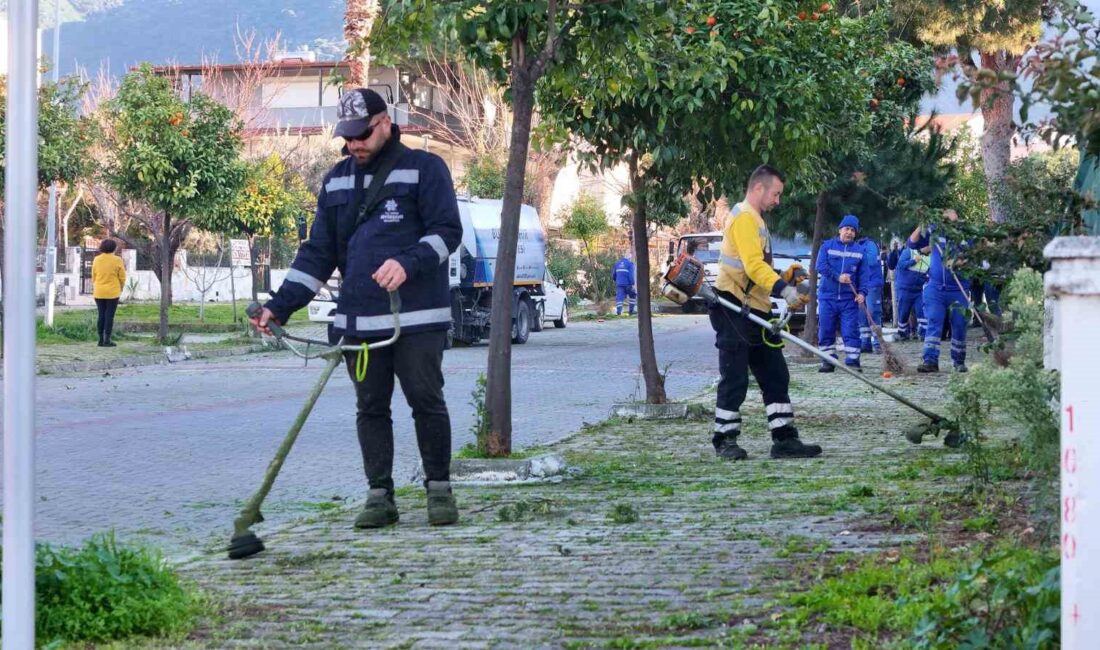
(20, 238)
(51, 209)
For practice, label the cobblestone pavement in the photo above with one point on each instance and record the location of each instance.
(653, 542)
(167, 453)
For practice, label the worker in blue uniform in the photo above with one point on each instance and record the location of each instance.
(909, 278)
(841, 271)
(623, 274)
(945, 295)
(874, 284)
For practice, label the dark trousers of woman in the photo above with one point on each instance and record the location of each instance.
(417, 362)
(106, 321)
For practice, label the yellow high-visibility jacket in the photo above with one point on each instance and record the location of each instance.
(108, 276)
(746, 262)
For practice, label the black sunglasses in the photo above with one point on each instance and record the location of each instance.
(364, 135)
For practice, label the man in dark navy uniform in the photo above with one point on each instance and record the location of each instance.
(387, 218)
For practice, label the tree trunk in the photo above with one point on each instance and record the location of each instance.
(997, 103)
(359, 18)
(165, 276)
(498, 401)
(654, 382)
(810, 334)
(252, 268)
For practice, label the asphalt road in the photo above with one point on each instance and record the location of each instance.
(167, 454)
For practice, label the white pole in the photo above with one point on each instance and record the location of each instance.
(19, 247)
(1074, 279)
(51, 210)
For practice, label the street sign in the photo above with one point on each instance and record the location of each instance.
(239, 253)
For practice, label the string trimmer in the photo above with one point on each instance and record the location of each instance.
(685, 279)
(244, 542)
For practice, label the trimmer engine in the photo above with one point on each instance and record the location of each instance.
(684, 279)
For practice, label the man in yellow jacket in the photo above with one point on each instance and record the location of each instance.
(108, 279)
(746, 278)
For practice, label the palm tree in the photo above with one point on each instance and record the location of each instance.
(358, 20)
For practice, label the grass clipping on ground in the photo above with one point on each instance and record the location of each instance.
(105, 591)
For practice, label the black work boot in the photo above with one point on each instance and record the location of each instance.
(960, 366)
(785, 444)
(442, 510)
(380, 510)
(928, 366)
(826, 367)
(728, 449)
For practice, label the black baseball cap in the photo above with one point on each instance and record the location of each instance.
(356, 109)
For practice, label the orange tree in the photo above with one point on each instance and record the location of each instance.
(64, 136)
(702, 92)
(267, 204)
(517, 42)
(169, 160)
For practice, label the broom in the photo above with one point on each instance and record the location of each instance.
(891, 361)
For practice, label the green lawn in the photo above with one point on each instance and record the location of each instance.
(78, 325)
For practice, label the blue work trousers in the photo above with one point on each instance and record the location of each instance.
(867, 338)
(628, 293)
(840, 313)
(940, 306)
(911, 303)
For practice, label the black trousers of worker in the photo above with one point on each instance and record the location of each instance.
(417, 362)
(741, 348)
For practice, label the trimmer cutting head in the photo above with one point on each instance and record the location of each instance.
(244, 545)
(949, 428)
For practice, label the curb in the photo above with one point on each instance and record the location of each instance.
(135, 361)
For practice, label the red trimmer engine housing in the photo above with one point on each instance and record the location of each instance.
(684, 279)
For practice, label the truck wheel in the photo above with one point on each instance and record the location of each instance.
(540, 316)
(449, 342)
(521, 324)
(564, 320)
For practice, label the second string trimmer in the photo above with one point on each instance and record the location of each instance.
(685, 279)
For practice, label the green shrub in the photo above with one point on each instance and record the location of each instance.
(564, 265)
(1008, 600)
(104, 590)
(484, 177)
(1024, 390)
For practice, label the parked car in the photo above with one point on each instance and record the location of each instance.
(552, 305)
(322, 309)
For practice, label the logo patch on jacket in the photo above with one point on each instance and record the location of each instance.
(391, 215)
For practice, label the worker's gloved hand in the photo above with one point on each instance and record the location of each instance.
(791, 295)
(803, 292)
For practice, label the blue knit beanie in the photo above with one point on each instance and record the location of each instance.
(850, 221)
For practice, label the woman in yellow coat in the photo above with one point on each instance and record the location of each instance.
(108, 278)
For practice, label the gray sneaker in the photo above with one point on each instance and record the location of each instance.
(380, 510)
(442, 510)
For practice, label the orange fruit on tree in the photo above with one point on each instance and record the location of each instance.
(825, 7)
(711, 21)
(901, 81)
(689, 29)
(802, 15)
(815, 16)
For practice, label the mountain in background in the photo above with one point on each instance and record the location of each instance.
(115, 35)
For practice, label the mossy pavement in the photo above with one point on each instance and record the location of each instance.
(651, 542)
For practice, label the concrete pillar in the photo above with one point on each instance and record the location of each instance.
(1074, 280)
